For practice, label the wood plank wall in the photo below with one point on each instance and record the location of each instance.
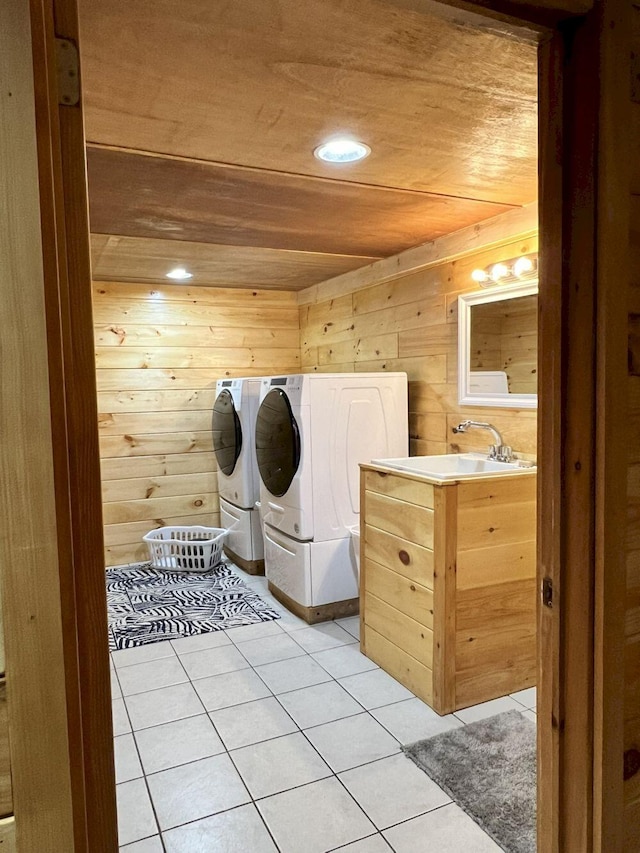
(410, 324)
(632, 649)
(159, 352)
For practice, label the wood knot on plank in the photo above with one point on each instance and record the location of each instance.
(119, 333)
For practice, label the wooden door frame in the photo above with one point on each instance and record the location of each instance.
(56, 642)
(51, 548)
(582, 441)
(584, 112)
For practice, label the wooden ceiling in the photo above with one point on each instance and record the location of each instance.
(202, 117)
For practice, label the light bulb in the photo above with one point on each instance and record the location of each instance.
(523, 266)
(480, 276)
(179, 274)
(499, 271)
(342, 150)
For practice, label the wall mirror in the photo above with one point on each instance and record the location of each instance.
(498, 346)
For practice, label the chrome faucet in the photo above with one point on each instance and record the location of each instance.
(498, 450)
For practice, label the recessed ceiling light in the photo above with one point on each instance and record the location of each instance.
(179, 274)
(342, 151)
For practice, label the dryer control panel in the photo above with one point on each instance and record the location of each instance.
(292, 385)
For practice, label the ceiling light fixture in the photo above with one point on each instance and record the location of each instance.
(342, 150)
(517, 269)
(179, 274)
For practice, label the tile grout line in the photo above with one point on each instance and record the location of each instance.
(144, 775)
(332, 773)
(151, 800)
(304, 652)
(255, 805)
(298, 730)
(215, 814)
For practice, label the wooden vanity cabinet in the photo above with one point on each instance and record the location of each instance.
(448, 584)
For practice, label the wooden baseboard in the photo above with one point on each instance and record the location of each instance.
(321, 613)
(251, 567)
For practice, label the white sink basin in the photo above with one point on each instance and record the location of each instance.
(453, 466)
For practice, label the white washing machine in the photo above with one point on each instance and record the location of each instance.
(233, 423)
(312, 432)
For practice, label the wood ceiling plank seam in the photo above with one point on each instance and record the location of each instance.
(117, 239)
(183, 293)
(141, 200)
(307, 176)
(148, 260)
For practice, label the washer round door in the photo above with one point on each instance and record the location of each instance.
(277, 442)
(227, 433)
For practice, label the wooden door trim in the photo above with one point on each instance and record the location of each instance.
(84, 484)
(54, 595)
(612, 268)
(584, 246)
(29, 539)
(63, 198)
(584, 97)
(566, 450)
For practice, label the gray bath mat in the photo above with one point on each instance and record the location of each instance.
(489, 769)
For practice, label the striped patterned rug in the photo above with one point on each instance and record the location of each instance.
(147, 605)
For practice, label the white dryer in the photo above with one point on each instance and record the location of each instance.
(312, 432)
(233, 422)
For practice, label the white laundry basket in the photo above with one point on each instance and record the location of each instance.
(185, 549)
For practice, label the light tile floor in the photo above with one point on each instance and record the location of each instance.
(279, 738)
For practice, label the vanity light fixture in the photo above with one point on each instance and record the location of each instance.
(498, 271)
(342, 150)
(523, 266)
(517, 269)
(481, 276)
(179, 274)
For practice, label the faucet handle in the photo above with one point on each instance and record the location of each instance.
(501, 453)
